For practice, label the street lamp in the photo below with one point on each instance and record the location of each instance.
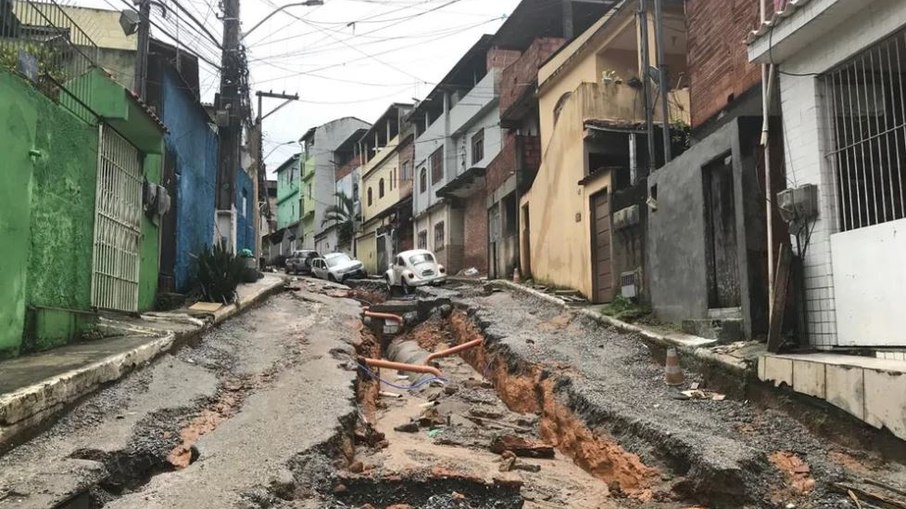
(309, 3)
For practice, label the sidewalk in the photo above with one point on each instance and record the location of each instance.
(34, 388)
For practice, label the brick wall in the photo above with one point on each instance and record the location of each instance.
(475, 234)
(717, 58)
(499, 58)
(347, 168)
(500, 168)
(523, 72)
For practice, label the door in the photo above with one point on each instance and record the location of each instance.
(720, 235)
(602, 267)
(396, 271)
(319, 268)
(117, 224)
(383, 255)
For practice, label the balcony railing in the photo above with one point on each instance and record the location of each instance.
(40, 41)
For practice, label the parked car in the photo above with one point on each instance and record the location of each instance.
(300, 261)
(338, 267)
(418, 267)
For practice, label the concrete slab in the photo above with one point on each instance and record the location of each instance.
(808, 378)
(777, 370)
(885, 401)
(846, 388)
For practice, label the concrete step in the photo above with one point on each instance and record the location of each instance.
(722, 330)
(871, 389)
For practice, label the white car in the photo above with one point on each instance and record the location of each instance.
(418, 267)
(337, 267)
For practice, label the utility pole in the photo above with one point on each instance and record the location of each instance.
(260, 179)
(230, 128)
(141, 60)
(646, 82)
(663, 88)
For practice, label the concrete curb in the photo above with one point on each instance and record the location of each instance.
(694, 346)
(36, 404)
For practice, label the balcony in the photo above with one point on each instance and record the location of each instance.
(619, 102)
(519, 80)
(476, 102)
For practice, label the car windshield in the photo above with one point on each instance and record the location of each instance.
(421, 258)
(334, 260)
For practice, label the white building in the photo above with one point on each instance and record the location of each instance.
(843, 97)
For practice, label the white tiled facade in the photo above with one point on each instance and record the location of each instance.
(807, 137)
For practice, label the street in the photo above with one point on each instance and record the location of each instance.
(551, 411)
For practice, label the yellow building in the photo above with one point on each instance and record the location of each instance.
(385, 189)
(593, 141)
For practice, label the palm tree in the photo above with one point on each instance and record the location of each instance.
(343, 216)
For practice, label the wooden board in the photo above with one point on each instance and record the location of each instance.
(778, 299)
(205, 307)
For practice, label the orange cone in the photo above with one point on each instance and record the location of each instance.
(672, 372)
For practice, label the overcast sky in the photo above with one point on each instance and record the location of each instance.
(343, 58)
(355, 57)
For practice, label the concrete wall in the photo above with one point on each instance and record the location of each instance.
(193, 144)
(676, 258)
(46, 215)
(288, 198)
(560, 232)
(805, 125)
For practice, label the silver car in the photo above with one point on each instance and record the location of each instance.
(337, 267)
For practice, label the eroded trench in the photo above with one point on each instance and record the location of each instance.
(492, 434)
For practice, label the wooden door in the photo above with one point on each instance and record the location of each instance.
(602, 267)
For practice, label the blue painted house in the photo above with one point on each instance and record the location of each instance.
(190, 165)
(245, 211)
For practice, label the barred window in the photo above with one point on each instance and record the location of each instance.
(866, 100)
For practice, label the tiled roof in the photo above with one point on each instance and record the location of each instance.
(147, 109)
(783, 9)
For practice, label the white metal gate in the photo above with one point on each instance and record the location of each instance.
(117, 224)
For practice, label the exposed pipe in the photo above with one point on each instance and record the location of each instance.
(386, 316)
(767, 80)
(399, 366)
(455, 350)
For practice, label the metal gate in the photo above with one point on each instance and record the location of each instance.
(117, 224)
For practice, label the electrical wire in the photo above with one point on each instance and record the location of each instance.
(401, 387)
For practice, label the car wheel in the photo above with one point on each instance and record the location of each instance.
(331, 278)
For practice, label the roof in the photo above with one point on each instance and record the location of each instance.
(387, 115)
(533, 19)
(147, 109)
(286, 163)
(787, 9)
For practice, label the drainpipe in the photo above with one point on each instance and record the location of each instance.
(386, 316)
(455, 350)
(399, 366)
(767, 80)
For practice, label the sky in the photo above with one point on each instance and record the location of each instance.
(343, 58)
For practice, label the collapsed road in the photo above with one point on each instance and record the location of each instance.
(536, 407)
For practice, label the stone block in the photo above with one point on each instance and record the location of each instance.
(885, 400)
(845, 389)
(777, 370)
(808, 378)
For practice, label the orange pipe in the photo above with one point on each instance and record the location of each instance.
(399, 366)
(455, 350)
(386, 316)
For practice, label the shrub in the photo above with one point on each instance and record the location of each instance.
(219, 273)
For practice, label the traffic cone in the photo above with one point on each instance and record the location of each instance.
(672, 372)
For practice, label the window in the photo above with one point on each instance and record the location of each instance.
(369, 197)
(423, 180)
(423, 239)
(380, 190)
(867, 117)
(439, 236)
(437, 166)
(478, 147)
(404, 174)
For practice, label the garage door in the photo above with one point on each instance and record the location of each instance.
(602, 268)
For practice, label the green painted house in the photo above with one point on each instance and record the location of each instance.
(77, 234)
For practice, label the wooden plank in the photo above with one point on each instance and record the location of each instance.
(871, 496)
(778, 299)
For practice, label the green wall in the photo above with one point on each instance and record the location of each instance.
(18, 118)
